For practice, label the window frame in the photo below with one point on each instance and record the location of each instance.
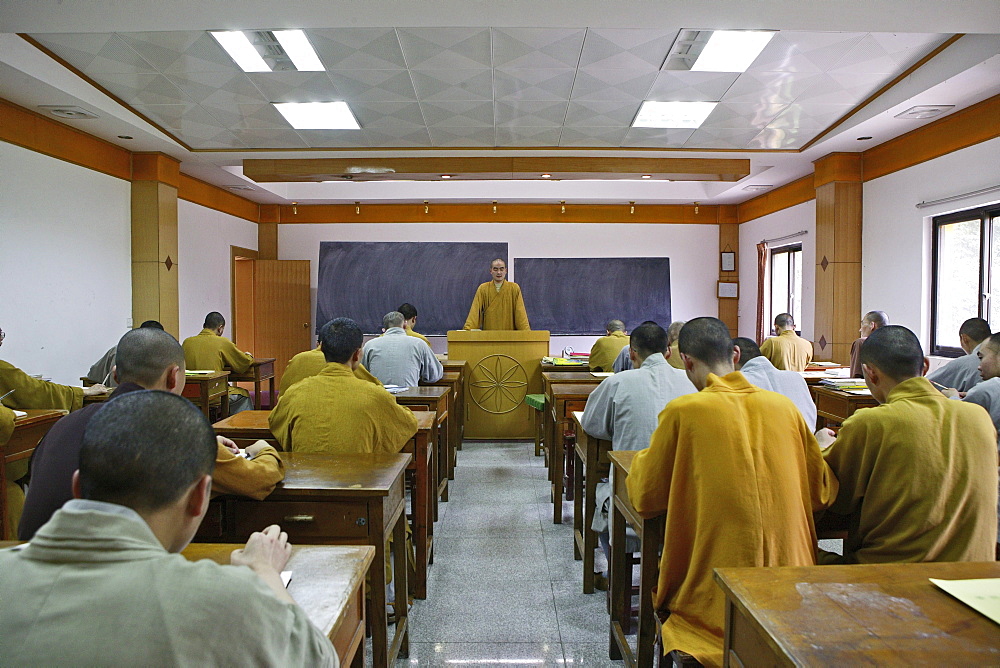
(786, 249)
(985, 216)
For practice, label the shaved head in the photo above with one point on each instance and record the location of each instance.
(784, 320)
(648, 339)
(748, 349)
(895, 351)
(976, 329)
(706, 340)
(615, 326)
(674, 331)
(144, 354)
(877, 318)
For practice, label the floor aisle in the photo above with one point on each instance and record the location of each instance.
(504, 589)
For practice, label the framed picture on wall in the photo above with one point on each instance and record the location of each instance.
(729, 290)
(728, 261)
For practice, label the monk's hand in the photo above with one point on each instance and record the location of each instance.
(255, 449)
(267, 550)
(825, 438)
(228, 444)
(951, 393)
(95, 389)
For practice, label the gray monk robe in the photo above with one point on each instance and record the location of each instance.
(95, 588)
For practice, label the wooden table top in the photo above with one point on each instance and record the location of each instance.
(257, 420)
(38, 415)
(563, 377)
(201, 377)
(448, 377)
(323, 577)
(622, 459)
(562, 390)
(313, 474)
(878, 614)
(423, 392)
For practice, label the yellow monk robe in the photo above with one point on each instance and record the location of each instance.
(918, 479)
(335, 412)
(15, 496)
(788, 351)
(606, 349)
(310, 363)
(739, 474)
(492, 309)
(675, 357)
(256, 478)
(207, 350)
(410, 332)
(36, 393)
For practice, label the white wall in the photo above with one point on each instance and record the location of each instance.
(896, 239)
(203, 283)
(692, 249)
(65, 263)
(778, 224)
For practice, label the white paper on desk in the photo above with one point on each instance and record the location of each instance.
(18, 414)
(198, 372)
(862, 393)
(602, 374)
(395, 389)
(286, 577)
(981, 595)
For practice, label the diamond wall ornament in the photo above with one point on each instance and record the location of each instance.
(822, 342)
(825, 263)
(169, 263)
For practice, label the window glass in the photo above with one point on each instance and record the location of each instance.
(958, 273)
(994, 282)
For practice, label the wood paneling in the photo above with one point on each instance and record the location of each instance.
(41, 134)
(495, 168)
(975, 124)
(282, 311)
(788, 195)
(837, 167)
(506, 213)
(214, 197)
(846, 301)
(269, 213)
(241, 296)
(729, 242)
(267, 241)
(823, 318)
(838, 222)
(838, 268)
(156, 167)
(154, 295)
(154, 254)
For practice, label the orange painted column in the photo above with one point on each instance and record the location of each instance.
(155, 265)
(838, 183)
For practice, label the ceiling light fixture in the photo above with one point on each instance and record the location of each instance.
(647, 176)
(446, 176)
(318, 115)
(239, 48)
(299, 50)
(924, 111)
(69, 112)
(546, 176)
(756, 188)
(672, 114)
(731, 50)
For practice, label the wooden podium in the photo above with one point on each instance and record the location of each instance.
(503, 367)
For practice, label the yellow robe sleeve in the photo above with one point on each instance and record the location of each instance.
(6, 424)
(474, 321)
(520, 314)
(396, 426)
(362, 373)
(648, 481)
(35, 393)
(255, 477)
(234, 358)
(279, 420)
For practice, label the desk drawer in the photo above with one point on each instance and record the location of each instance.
(303, 520)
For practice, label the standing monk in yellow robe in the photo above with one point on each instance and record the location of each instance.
(336, 412)
(918, 473)
(210, 350)
(787, 351)
(739, 474)
(498, 303)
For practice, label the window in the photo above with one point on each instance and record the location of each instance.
(786, 282)
(966, 256)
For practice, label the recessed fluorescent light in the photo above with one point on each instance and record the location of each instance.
(647, 176)
(318, 115)
(239, 48)
(731, 50)
(672, 114)
(446, 176)
(299, 50)
(546, 176)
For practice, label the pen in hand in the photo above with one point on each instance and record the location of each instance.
(6, 395)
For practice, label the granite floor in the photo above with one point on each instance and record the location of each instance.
(504, 589)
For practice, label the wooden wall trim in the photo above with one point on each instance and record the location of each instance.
(784, 197)
(836, 167)
(207, 195)
(505, 213)
(35, 132)
(972, 125)
(156, 167)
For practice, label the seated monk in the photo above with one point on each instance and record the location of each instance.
(145, 359)
(101, 583)
(739, 475)
(787, 351)
(606, 348)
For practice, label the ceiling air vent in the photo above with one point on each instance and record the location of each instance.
(68, 112)
(923, 112)
(239, 187)
(757, 188)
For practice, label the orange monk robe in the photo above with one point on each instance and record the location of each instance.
(334, 412)
(410, 332)
(208, 350)
(606, 349)
(32, 392)
(15, 496)
(739, 474)
(310, 363)
(256, 478)
(493, 309)
(788, 351)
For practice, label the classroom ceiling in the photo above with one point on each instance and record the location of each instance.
(459, 78)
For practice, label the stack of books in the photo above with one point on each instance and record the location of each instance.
(851, 385)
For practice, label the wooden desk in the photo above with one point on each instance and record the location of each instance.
(334, 500)
(565, 368)
(453, 381)
(249, 426)
(458, 406)
(433, 398)
(28, 431)
(550, 378)
(261, 369)
(650, 533)
(562, 401)
(592, 464)
(203, 388)
(327, 583)
(836, 406)
(880, 614)
(96, 398)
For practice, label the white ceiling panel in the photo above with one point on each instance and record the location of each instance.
(527, 136)
(453, 84)
(537, 47)
(601, 113)
(637, 50)
(463, 136)
(537, 84)
(374, 85)
(458, 113)
(446, 48)
(288, 86)
(680, 86)
(537, 113)
(612, 85)
(358, 48)
(180, 52)
(593, 136)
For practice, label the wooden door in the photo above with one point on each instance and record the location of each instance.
(281, 310)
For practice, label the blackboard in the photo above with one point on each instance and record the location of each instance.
(365, 280)
(579, 295)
